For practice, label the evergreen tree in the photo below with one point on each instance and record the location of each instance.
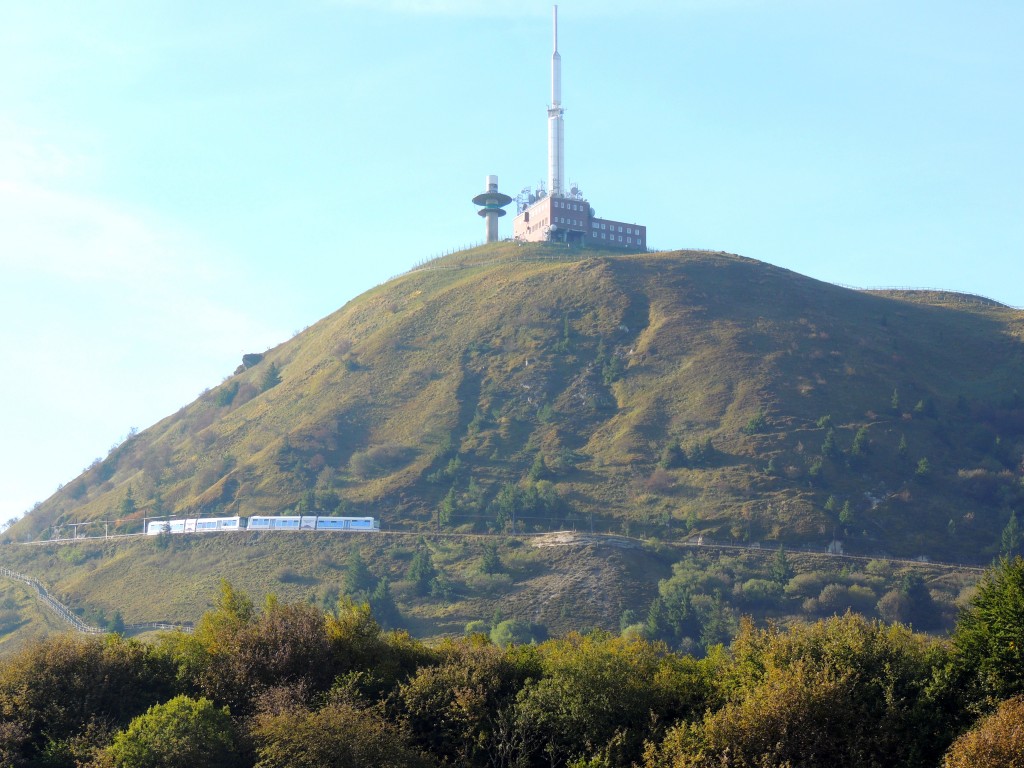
(421, 571)
(127, 506)
(829, 447)
(988, 634)
(446, 509)
(539, 469)
(860, 443)
(781, 570)
(1012, 538)
(924, 468)
(491, 562)
(271, 378)
(672, 455)
(382, 602)
(846, 514)
(358, 578)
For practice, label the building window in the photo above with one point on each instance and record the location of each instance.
(603, 236)
(629, 239)
(620, 229)
(620, 238)
(602, 225)
(593, 224)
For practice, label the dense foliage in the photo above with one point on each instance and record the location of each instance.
(288, 685)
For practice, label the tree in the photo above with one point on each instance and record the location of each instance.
(271, 378)
(781, 571)
(358, 579)
(51, 690)
(446, 509)
(421, 570)
(846, 514)
(672, 455)
(997, 741)
(515, 631)
(491, 562)
(793, 688)
(539, 469)
(183, 733)
(988, 636)
(757, 423)
(924, 469)
(340, 735)
(829, 447)
(127, 506)
(860, 443)
(1012, 537)
(383, 603)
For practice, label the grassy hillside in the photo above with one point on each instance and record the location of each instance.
(439, 585)
(669, 395)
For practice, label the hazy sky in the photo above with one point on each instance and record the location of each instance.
(183, 182)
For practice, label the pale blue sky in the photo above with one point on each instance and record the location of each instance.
(182, 182)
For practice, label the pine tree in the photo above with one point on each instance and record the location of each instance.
(271, 378)
(781, 571)
(1012, 538)
(127, 505)
(828, 447)
(421, 570)
(446, 509)
(846, 514)
(357, 576)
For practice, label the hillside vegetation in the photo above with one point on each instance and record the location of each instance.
(290, 685)
(668, 395)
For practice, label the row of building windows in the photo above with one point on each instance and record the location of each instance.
(571, 222)
(569, 206)
(611, 227)
(628, 240)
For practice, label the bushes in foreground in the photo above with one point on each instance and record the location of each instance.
(288, 685)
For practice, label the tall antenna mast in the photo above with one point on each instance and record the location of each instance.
(556, 127)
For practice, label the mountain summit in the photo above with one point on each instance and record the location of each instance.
(668, 394)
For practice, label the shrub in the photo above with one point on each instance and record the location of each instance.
(806, 584)
(340, 735)
(380, 460)
(757, 423)
(183, 733)
(759, 591)
(995, 742)
(518, 632)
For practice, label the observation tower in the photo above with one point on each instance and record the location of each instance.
(492, 202)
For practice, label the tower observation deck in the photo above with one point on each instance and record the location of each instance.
(493, 202)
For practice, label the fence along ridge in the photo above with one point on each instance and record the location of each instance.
(71, 618)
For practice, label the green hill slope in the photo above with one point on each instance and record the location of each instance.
(667, 395)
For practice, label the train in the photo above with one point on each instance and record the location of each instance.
(262, 523)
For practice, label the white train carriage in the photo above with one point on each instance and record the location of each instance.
(347, 524)
(193, 525)
(280, 522)
(261, 523)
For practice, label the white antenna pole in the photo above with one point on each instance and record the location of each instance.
(556, 129)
